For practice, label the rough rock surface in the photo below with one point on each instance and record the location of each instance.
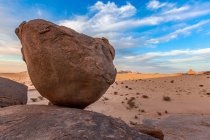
(183, 127)
(66, 67)
(12, 93)
(55, 123)
(152, 131)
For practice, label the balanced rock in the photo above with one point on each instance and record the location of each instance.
(66, 67)
(36, 122)
(12, 93)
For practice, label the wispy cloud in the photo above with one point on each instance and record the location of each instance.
(175, 34)
(152, 55)
(155, 4)
(117, 22)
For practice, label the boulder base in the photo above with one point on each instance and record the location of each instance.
(35, 122)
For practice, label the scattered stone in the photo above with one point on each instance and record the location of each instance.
(183, 127)
(152, 131)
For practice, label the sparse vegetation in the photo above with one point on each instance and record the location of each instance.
(105, 98)
(131, 102)
(172, 81)
(159, 113)
(200, 85)
(145, 96)
(166, 98)
(34, 99)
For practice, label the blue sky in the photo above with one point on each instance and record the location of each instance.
(148, 35)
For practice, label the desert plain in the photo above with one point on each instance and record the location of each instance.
(136, 96)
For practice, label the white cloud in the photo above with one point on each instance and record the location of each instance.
(177, 10)
(186, 59)
(155, 4)
(114, 22)
(176, 33)
(153, 55)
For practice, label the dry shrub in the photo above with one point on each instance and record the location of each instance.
(166, 98)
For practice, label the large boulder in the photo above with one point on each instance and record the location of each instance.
(66, 67)
(12, 93)
(183, 126)
(55, 123)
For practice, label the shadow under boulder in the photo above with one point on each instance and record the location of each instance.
(12, 93)
(36, 122)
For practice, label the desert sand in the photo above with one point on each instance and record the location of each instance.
(134, 97)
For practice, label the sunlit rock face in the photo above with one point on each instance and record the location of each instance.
(66, 67)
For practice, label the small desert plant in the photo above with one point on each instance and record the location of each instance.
(34, 99)
(159, 113)
(145, 96)
(200, 85)
(172, 81)
(131, 102)
(166, 98)
(115, 93)
(105, 98)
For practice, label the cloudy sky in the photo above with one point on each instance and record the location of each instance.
(148, 35)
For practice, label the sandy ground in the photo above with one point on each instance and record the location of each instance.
(134, 97)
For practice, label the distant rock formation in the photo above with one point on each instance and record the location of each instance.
(55, 123)
(191, 72)
(206, 72)
(124, 71)
(12, 93)
(66, 67)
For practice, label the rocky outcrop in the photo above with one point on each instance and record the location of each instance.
(12, 93)
(152, 131)
(183, 127)
(66, 67)
(191, 72)
(55, 123)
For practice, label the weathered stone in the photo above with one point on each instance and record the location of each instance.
(12, 93)
(152, 131)
(183, 127)
(55, 123)
(66, 67)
